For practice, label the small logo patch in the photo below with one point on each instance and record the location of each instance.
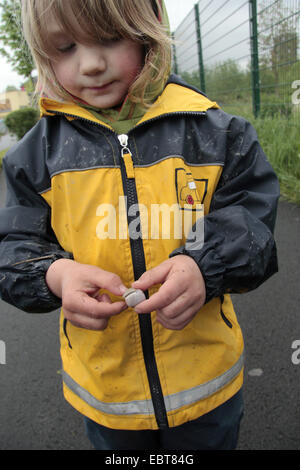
(190, 191)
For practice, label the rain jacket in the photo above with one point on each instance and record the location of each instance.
(72, 182)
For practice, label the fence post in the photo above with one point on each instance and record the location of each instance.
(254, 58)
(175, 66)
(199, 43)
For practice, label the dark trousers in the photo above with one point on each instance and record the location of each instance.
(216, 430)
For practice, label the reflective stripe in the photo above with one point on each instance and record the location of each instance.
(144, 407)
(173, 402)
(187, 397)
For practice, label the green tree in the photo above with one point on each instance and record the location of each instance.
(278, 42)
(192, 78)
(14, 47)
(226, 77)
(28, 85)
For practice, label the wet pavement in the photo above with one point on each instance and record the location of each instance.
(7, 141)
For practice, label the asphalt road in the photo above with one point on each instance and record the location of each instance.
(34, 415)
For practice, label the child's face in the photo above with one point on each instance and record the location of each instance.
(100, 74)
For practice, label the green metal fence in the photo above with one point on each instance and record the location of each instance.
(244, 54)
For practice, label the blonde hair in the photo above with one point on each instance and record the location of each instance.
(100, 20)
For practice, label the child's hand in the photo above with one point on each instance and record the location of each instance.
(78, 286)
(181, 295)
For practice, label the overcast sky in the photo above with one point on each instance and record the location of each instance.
(177, 10)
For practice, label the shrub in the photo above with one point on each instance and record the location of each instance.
(21, 121)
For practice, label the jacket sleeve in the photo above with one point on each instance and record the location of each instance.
(238, 252)
(28, 244)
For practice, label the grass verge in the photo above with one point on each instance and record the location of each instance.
(2, 153)
(280, 140)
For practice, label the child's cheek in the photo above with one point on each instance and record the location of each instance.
(131, 62)
(64, 75)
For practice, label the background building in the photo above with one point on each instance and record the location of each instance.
(12, 101)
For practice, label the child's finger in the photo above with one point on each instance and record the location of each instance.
(153, 276)
(178, 323)
(103, 298)
(93, 322)
(178, 307)
(83, 304)
(168, 292)
(109, 281)
(82, 321)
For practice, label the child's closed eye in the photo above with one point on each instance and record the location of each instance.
(111, 41)
(66, 48)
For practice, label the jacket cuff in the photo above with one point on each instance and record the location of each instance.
(46, 300)
(32, 294)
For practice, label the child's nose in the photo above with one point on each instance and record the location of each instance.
(92, 61)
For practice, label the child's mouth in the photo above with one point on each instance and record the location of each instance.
(100, 88)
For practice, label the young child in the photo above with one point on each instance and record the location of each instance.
(118, 139)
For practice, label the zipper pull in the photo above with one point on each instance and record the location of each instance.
(126, 155)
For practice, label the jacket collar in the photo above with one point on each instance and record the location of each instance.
(172, 101)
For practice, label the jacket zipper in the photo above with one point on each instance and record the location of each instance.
(139, 267)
